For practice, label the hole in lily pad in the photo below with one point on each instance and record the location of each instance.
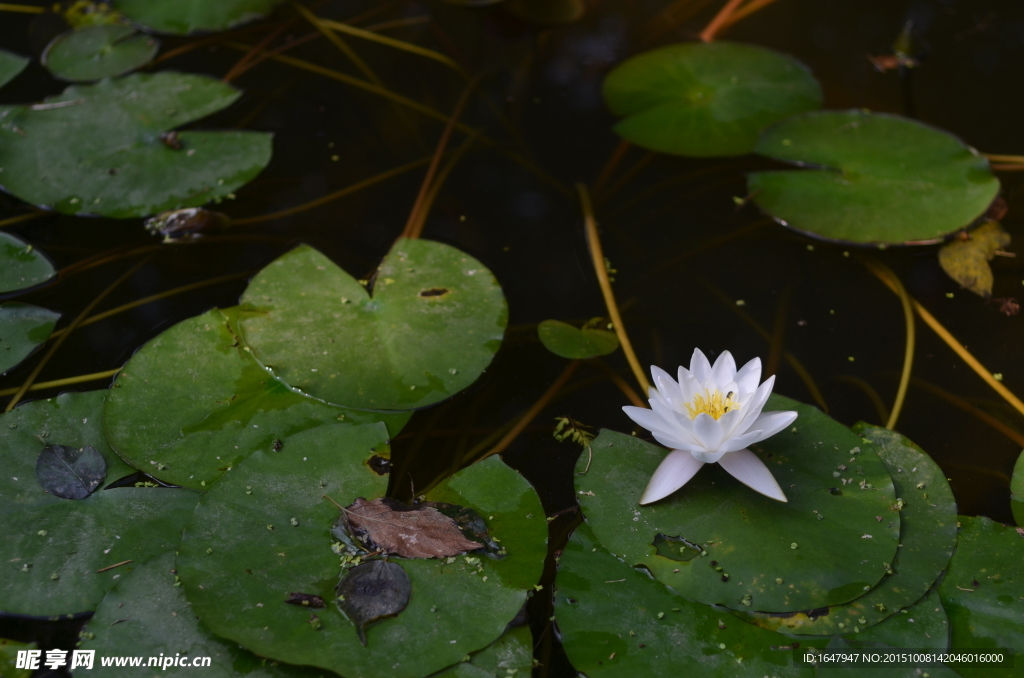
(379, 465)
(306, 600)
(676, 548)
(435, 292)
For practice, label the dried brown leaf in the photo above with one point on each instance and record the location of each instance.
(408, 531)
(966, 261)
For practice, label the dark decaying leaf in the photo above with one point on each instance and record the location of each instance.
(409, 531)
(966, 261)
(306, 600)
(373, 591)
(70, 472)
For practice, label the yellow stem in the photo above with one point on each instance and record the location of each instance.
(67, 381)
(23, 9)
(435, 188)
(532, 413)
(716, 24)
(994, 157)
(154, 297)
(746, 10)
(10, 221)
(883, 273)
(342, 46)
(392, 42)
(600, 269)
(962, 351)
(27, 384)
(348, 190)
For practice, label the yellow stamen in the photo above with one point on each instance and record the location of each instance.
(714, 404)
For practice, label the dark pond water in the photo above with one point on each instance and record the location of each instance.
(684, 255)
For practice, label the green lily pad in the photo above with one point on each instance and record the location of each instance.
(10, 66)
(146, 613)
(983, 593)
(614, 620)
(190, 16)
(1017, 491)
(9, 658)
(431, 324)
(923, 626)
(824, 547)
(97, 149)
(23, 327)
(508, 656)
(53, 547)
(192, 403)
(566, 341)
(707, 99)
(21, 265)
(927, 541)
(103, 51)
(872, 178)
(244, 554)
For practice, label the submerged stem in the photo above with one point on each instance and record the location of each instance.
(23, 9)
(71, 328)
(600, 269)
(10, 221)
(719, 22)
(883, 273)
(66, 381)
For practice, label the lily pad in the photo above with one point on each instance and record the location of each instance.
(261, 532)
(707, 99)
(927, 540)
(1017, 490)
(21, 265)
(146, 613)
(53, 547)
(431, 324)
(102, 51)
(871, 178)
(983, 593)
(97, 149)
(10, 66)
(614, 620)
(23, 328)
(508, 656)
(192, 403)
(824, 547)
(9, 650)
(69, 472)
(966, 261)
(190, 16)
(566, 341)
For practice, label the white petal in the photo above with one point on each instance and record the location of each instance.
(675, 421)
(739, 442)
(649, 419)
(748, 377)
(707, 431)
(700, 368)
(667, 386)
(752, 408)
(728, 422)
(771, 423)
(724, 370)
(674, 442)
(745, 467)
(674, 471)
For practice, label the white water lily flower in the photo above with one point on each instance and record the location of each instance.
(710, 415)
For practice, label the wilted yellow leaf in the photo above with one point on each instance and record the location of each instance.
(966, 261)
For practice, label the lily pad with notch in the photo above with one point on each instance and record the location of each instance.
(761, 554)
(927, 511)
(707, 99)
(615, 620)
(259, 533)
(429, 327)
(983, 593)
(21, 265)
(193, 402)
(100, 51)
(10, 66)
(146, 613)
(23, 328)
(871, 178)
(100, 150)
(182, 17)
(566, 341)
(56, 554)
